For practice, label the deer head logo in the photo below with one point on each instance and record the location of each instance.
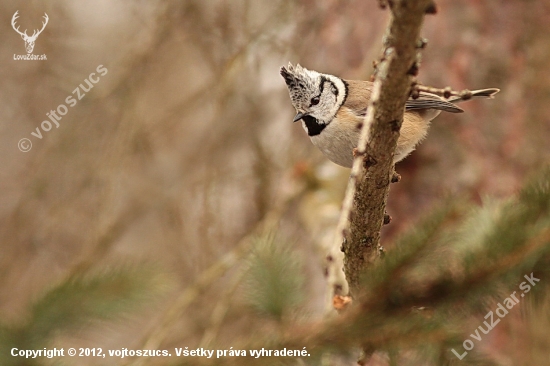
(29, 40)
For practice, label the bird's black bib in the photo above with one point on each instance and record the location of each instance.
(313, 127)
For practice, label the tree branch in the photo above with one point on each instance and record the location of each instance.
(446, 92)
(364, 205)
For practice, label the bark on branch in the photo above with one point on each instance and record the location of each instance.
(366, 195)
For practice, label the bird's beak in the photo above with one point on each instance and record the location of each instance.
(298, 117)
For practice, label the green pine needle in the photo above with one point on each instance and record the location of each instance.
(80, 301)
(274, 279)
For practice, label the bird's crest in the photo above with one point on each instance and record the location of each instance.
(302, 83)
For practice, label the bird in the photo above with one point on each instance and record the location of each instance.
(332, 111)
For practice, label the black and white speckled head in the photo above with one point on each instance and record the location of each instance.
(314, 94)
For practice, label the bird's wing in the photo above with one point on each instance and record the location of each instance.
(431, 101)
(359, 93)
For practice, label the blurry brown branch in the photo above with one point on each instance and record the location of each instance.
(155, 338)
(108, 236)
(157, 335)
(368, 187)
(220, 310)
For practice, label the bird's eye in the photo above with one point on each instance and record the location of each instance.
(315, 101)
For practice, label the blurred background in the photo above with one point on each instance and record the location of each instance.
(185, 149)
